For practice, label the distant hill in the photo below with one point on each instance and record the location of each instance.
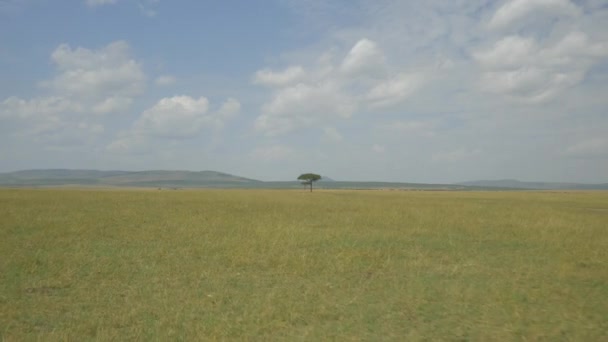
(62, 174)
(175, 178)
(515, 184)
(185, 179)
(154, 178)
(214, 179)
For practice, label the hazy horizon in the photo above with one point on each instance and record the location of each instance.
(395, 91)
(294, 179)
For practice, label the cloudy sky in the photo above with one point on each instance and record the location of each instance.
(393, 90)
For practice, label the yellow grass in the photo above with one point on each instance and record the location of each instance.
(290, 265)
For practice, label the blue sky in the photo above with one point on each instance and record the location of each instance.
(412, 91)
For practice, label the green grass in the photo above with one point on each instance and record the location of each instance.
(291, 265)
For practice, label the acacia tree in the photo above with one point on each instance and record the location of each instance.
(309, 178)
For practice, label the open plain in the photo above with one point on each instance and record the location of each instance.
(116, 264)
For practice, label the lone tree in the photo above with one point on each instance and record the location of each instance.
(309, 178)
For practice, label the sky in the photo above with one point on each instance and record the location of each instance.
(388, 90)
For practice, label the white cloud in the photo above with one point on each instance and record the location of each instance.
(33, 117)
(178, 118)
(364, 57)
(87, 82)
(272, 153)
(18, 108)
(97, 74)
(165, 80)
(516, 10)
(393, 90)
(408, 84)
(229, 109)
(552, 58)
(175, 117)
(304, 105)
(49, 121)
(112, 104)
(576, 47)
(529, 84)
(271, 78)
(509, 52)
(523, 69)
(330, 91)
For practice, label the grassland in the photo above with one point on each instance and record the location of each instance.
(290, 265)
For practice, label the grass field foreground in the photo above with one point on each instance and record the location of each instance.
(291, 265)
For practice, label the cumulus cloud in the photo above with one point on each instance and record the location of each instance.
(88, 84)
(509, 52)
(17, 108)
(175, 117)
(229, 109)
(34, 117)
(393, 90)
(303, 105)
(96, 74)
(517, 10)
(178, 118)
(575, 48)
(522, 68)
(365, 56)
(537, 67)
(104, 80)
(280, 78)
(330, 90)
(52, 121)
(112, 104)
(419, 80)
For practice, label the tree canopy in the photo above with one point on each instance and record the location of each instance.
(309, 178)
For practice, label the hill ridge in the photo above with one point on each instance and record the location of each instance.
(218, 179)
(173, 178)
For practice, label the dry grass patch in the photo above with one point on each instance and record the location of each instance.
(284, 265)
